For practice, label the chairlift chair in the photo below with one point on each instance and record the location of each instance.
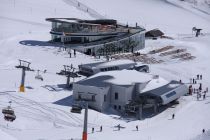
(38, 76)
(9, 117)
(76, 108)
(9, 114)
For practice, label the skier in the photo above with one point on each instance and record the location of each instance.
(204, 95)
(203, 130)
(74, 53)
(173, 116)
(197, 76)
(200, 87)
(101, 128)
(93, 130)
(70, 54)
(193, 81)
(118, 127)
(200, 77)
(137, 128)
(190, 90)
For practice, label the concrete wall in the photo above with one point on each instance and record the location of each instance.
(180, 91)
(140, 87)
(124, 95)
(86, 93)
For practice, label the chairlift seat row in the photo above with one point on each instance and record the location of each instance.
(8, 110)
(39, 77)
(76, 108)
(5, 111)
(9, 114)
(9, 117)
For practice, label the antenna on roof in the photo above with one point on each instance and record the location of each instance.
(25, 66)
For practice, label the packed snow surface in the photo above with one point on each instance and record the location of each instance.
(43, 111)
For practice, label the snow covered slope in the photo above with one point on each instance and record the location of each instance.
(43, 112)
(163, 14)
(22, 16)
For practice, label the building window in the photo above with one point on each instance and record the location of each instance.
(116, 96)
(171, 94)
(93, 98)
(115, 107)
(119, 107)
(105, 98)
(79, 97)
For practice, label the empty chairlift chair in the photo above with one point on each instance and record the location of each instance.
(76, 108)
(9, 114)
(38, 76)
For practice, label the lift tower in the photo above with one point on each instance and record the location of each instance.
(68, 71)
(25, 66)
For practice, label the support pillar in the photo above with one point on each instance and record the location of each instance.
(155, 108)
(22, 85)
(84, 135)
(139, 115)
(68, 81)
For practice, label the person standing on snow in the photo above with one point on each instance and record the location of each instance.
(173, 116)
(137, 128)
(101, 129)
(204, 95)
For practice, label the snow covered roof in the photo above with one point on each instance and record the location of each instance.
(122, 77)
(80, 21)
(163, 89)
(108, 64)
(155, 83)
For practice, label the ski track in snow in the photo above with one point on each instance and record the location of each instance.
(37, 111)
(24, 21)
(30, 110)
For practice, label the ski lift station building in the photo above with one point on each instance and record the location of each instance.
(97, 37)
(117, 88)
(93, 68)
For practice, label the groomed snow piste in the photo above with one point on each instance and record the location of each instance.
(43, 111)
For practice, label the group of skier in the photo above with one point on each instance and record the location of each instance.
(70, 53)
(118, 127)
(199, 91)
(93, 129)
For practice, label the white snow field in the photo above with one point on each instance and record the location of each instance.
(43, 111)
